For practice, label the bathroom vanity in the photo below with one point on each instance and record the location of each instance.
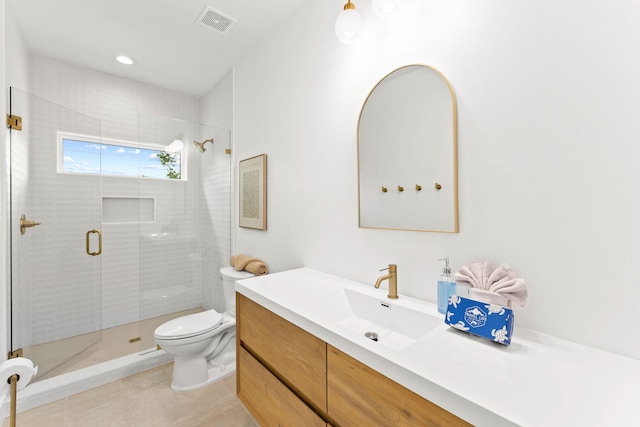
(287, 376)
(304, 359)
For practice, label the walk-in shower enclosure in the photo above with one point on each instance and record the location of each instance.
(108, 228)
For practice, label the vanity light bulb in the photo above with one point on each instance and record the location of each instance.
(348, 25)
(385, 8)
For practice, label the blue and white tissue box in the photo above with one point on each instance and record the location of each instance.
(490, 321)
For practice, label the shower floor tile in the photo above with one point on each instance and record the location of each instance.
(111, 344)
(142, 400)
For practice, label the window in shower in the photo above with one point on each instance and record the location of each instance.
(83, 154)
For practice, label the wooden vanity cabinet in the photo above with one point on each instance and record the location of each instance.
(361, 396)
(270, 401)
(291, 355)
(288, 377)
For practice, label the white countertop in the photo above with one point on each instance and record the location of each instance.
(537, 381)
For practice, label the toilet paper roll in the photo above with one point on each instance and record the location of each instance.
(21, 366)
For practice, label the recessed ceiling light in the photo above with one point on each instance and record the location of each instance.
(124, 60)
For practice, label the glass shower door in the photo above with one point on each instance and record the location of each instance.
(56, 237)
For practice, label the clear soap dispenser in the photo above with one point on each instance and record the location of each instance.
(446, 286)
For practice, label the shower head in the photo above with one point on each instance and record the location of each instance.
(200, 145)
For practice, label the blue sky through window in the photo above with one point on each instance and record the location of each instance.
(108, 159)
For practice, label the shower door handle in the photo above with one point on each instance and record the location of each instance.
(24, 224)
(99, 242)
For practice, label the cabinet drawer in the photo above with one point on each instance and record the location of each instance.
(298, 358)
(271, 402)
(361, 396)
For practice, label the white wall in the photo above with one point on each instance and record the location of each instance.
(548, 95)
(217, 104)
(217, 110)
(117, 102)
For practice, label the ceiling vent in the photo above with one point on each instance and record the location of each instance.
(215, 20)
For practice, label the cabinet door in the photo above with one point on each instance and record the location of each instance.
(298, 358)
(270, 401)
(361, 396)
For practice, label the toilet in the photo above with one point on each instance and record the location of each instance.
(203, 344)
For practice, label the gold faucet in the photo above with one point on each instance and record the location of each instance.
(393, 281)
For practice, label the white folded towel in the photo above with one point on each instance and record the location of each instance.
(500, 286)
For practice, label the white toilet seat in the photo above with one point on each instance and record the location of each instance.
(188, 326)
(203, 345)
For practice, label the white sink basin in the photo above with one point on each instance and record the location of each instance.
(346, 308)
(397, 326)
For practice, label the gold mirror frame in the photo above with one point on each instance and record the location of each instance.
(416, 190)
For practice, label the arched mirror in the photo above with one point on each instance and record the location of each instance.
(407, 153)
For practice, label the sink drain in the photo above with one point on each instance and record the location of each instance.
(371, 335)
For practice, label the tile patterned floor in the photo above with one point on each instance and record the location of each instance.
(144, 400)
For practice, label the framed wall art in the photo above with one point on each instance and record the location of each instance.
(253, 192)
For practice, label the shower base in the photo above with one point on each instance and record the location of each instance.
(114, 343)
(109, 360)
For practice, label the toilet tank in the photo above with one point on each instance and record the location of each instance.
(229, 277)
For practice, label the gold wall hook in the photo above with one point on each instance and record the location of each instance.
(24, 224)
(418, 187)
(438, 186)
(384, 189)
(400, 188)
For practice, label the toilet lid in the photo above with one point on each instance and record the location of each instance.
(189, 325)
(233, 274)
